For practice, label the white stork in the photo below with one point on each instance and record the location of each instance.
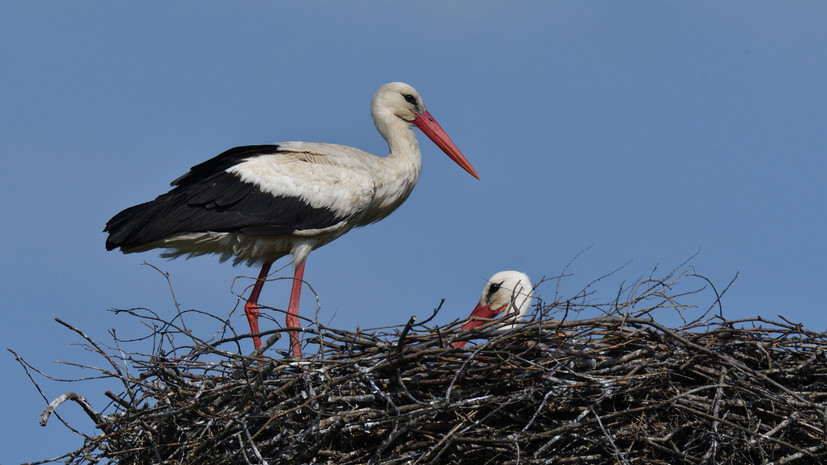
(259, 203)
(507, 293)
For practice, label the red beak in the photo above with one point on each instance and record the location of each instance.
(478, 317)
(434, 131)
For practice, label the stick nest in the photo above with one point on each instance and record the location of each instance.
(615, 388)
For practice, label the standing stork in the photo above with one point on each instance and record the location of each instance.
(506, 295)
(259, 203)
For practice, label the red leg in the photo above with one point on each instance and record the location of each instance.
(293, 310)
(251, 307)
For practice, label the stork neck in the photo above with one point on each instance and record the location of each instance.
(404, 159)
(400, 137)
(397, 174)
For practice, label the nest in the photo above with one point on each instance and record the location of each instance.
(615, 388)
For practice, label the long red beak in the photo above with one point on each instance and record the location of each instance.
(479, 315)
(434, 131)
(478, 318)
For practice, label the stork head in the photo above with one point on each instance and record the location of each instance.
(507, 295)
(399, 100)
(396, 105)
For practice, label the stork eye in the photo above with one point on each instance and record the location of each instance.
(493, 288)
(410, 99)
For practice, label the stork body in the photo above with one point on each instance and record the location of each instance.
(256, 204)
(507, 296)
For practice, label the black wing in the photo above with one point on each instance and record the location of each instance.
(208, 198)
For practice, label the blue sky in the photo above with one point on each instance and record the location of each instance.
(643, 131)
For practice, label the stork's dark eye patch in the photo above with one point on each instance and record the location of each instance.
(493, 288)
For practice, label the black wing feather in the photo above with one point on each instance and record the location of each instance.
(217, 202)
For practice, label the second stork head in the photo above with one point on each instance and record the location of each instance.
(507, 296)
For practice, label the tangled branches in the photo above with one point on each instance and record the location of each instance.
(615, 388)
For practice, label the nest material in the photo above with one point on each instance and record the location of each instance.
(619, 388)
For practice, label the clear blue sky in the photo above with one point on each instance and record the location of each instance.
(646, 130)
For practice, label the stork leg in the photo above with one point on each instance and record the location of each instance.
(293, 309)
(251, 307)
